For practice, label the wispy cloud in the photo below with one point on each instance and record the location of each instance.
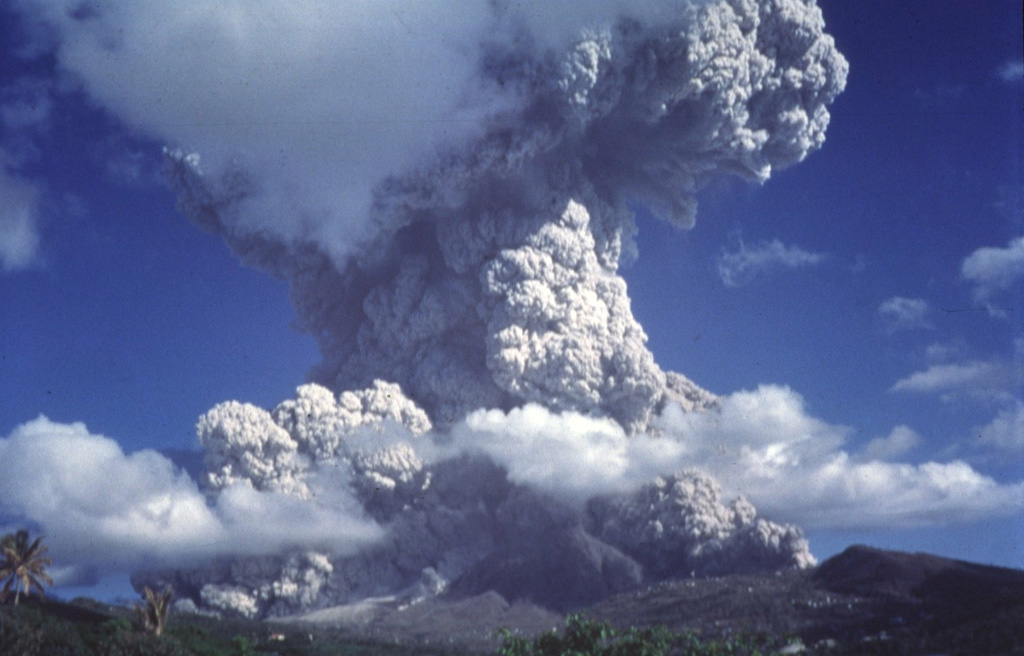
(19, 222)
(1011, 71)
(975, 378)
(742, 264)
(993, 270)
(940, 352)
(940, 95)
(901, 313)
(25, 111)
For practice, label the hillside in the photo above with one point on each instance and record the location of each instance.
(862, 601)
(862, 594)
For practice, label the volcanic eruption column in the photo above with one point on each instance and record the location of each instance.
(489, 280)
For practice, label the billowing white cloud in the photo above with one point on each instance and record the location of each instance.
(318, 101)
(97, 504)
(765, 445)
(1005, 432)
(993, 270)
(102, 508)
(566, 454)
(901, 313)
(900, 440)
(742, 264)
(974, 378)
(19, 222)
(762, 444)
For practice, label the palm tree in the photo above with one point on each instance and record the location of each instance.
(153, 612)
(23, 565)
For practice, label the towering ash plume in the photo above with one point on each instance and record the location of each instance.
(489, 276)
(484, 275)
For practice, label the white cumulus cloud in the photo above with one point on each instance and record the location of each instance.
(762, 444)
(567, 454)
(900, 441)
(742, 264)
(766, 446)
(100, 507)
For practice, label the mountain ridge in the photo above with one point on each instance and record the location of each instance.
(862, 593)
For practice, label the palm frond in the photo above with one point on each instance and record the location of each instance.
(23, 565)
(153, 613)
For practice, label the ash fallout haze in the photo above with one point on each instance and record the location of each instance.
(306, 303)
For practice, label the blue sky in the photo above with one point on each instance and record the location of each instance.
(921, 168)
(879, 279)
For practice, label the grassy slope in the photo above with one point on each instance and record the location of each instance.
(84, 628)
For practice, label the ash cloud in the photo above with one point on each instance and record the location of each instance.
(486, 276)
(499, 499)
(472, 518)
(448, 199)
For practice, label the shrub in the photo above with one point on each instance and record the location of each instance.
(586, 637)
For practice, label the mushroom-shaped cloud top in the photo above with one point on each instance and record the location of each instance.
(485, 274)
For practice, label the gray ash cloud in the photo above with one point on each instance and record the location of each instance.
(448, 198)
(487, 275)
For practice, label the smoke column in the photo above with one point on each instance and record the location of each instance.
(487, 275)
(448, 197)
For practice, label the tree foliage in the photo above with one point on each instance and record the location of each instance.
(586, 637)
(23, 565)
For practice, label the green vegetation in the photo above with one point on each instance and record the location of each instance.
(86, 628)
(586, 637)
(39, 627)
(23, 565)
